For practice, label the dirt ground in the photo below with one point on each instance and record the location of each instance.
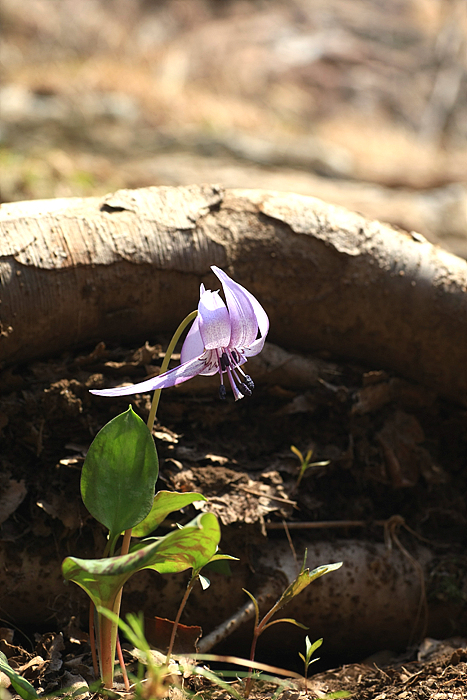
(223, 449)
(363, 104)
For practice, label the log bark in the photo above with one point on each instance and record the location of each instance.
(373, 600)
(128, 266)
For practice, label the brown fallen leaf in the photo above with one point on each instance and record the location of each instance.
(158, 631)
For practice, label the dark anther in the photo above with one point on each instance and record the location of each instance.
(225, 362)
(249, 382)
(222, 392)
(246, 391)
(235, 357)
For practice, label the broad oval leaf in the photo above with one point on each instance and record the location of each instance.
(190, 547)
(165, 502)
(119, 473)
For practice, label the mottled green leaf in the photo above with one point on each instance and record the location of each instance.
(183, 551)
(165, 502)
(190, 547)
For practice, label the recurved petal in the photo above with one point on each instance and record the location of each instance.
(214, 321)
(175, 376)
(263, 326)
(246, 314)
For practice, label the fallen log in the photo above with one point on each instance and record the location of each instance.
(128, 266)
(376, 600)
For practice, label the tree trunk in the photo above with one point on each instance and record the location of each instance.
(129, 265)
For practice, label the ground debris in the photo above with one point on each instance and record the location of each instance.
(442, 674)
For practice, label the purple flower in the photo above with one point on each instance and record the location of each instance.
(220, 339)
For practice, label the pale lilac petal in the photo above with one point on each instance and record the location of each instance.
(242, 317)
(244, 307)
(175, 376)
(256, 347)
(211, 361)
(263, 327)
(214, 321)
(193, 345)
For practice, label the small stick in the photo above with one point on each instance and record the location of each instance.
(266, 495)
(322, 524)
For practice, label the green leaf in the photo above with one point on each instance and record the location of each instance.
(179, 551)
(255, 604)
(191, 547)
(304, 578)
(297, 452)
(285, 619)
(165, 502)
(219, 564)
(222, 557)
(119, 474)
(311, 648)
(20, 684)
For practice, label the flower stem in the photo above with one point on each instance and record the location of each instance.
(157, 394)
(108, 630)
(92, 639)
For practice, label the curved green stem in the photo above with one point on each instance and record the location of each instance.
(157, 394)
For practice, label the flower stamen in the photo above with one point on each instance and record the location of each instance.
(247, 379)
(224, 361)
(238, 394)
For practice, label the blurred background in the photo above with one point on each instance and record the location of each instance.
(358, 102)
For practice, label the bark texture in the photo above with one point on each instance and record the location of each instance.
(129, 265)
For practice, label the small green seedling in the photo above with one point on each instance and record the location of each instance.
(309, 651)
(304, 578)
(305, 463)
